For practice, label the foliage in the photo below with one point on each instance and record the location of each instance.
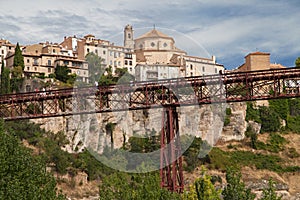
(123, 75)
(252, 113)
(107, 78)
(5, 80)
(23, 176)
(123, 186)
(16, 78)
(202, 189)
(197, 150)
(294, 107)
(250, 133)
(269, 193)
(274, 144)
(18, 58)
(297, 62)
(235, 188)
(280, 106)
(270, 120)
(95, 66)
(62, 73)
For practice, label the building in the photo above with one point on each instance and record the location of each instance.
(159, 58)
(258, 61)
(5, 48)
(41, 60)
(112, 55)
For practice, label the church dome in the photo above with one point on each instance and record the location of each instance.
(154, 34)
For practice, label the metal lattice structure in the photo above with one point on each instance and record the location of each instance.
(171, 93)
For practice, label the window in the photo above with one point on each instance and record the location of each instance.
(216, 70)
(110, 62)
(192, 74)
(49, 70)
(129, 36)
(53, 50)
(110, 53)
(3, 52)
(165, 44)
(35, 61)
(96, 51)
(66, 62)
(28, 60)
(130, 69)
(152, 44)
(35, 69)
(115, 63)
(49, 62)
(130, 62)
(28, 68)
(141, 46)
(191, 67)
(128, 55)
(88, 50)
(119, 63)
(203, 69)
(104, 52)
(126, 62)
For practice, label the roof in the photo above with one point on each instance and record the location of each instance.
(154, 34)
(258, 53)
(276, 66)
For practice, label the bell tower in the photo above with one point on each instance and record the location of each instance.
(128, 37)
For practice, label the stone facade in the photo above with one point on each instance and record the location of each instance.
(258, 61)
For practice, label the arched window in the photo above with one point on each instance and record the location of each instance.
(129, 36)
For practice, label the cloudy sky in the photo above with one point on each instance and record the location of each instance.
(227, 29)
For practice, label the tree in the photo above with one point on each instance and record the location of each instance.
(62, 73)
(270, 119)
(16, 78)
(96, 68)
(18, 58)
(202, 189)
(269, 193)
(297, 62)
(5, 80)
(123, 186)
(23, 176)
(235, 188)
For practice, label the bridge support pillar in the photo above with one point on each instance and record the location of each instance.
(170, 155)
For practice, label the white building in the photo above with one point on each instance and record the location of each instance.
(159, 58)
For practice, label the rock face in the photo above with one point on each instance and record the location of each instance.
(114, 129)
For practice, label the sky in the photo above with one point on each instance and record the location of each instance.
(227, 29)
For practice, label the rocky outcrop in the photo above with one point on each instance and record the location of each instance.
(114, 129)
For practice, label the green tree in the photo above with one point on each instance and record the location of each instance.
(96, 68)
(270, 119)
(5, 80)
(280, 106)
(269, 193)
(297, 62)
(18, 58)
(23, 176)
(235, 188)
(62, 73)
(16, 78)
(203, 189)
(123, 186)
(107, 78)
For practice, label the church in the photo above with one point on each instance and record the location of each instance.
(157, 57)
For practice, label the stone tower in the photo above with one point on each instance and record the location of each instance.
(128, 37)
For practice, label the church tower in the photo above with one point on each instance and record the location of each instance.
(128, 37)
